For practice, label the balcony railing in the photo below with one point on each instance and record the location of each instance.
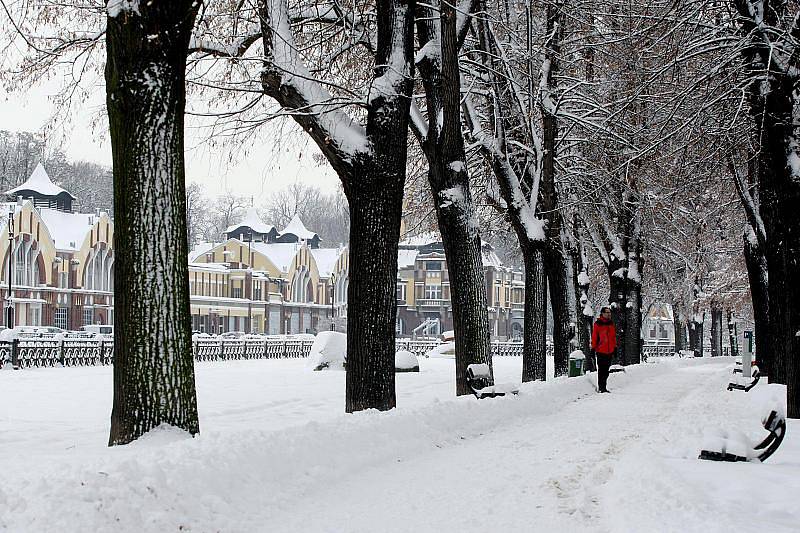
(433, 302)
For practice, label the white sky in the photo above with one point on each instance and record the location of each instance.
(253, 169)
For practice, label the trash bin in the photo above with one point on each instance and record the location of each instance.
(576, 363)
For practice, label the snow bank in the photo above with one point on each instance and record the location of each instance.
(329, 351)
(405, 361)
(447, 349)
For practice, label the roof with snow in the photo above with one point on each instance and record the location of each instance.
(297, 228)
(39, 182)
(280, 254)
(252, 221)
(68, 230)
(326, 260)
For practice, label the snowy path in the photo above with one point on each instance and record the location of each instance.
(277, 454)
(547, 471)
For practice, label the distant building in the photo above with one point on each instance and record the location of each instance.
(259, 279)
(62, 263)
(659, 325)
(423, 290)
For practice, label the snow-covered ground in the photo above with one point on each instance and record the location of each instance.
(277, 453)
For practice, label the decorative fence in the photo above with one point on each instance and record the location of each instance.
(34, 353)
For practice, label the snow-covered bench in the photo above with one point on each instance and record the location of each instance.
(746, 388)
(478, 378)
(734, 447)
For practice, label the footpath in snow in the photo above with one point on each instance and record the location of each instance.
(276, 453)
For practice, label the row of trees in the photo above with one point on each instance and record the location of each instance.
(610, 135)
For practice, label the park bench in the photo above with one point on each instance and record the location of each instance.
(774, 423)
(478, 378)
(746, 388)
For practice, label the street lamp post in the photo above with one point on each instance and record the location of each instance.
(9, 302)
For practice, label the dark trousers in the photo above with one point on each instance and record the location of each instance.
(603, 364)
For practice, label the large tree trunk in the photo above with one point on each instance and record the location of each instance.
(716, 330)
(534, 344)
(759, 295)
(617, 300)
(584, 312)
(455, 209)
(153, 366)
(696, 334)
(633, 322)
(772, 102)
(733, 334)
(679, 326)
(559, 286)
(554, 256)
(375, 211)
(373, 176)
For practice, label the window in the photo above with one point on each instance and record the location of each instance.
(237, 292)
(433, 265)
(401, 292)
(26, 264)
(653, 331)
(256, 291)
(63, 280)
(662, 332)
(99, 273)
(88, 316)
(433, 292)
(35, 315)
(497, 295)
(60, 318)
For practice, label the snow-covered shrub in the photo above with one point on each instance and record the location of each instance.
(405, 361)
(328, 351)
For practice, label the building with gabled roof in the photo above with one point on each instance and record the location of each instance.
(40, 189)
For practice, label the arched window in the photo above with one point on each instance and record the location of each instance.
(99, 273)
(25, 256)
(301, 284)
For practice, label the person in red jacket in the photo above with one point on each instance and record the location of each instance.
(604, 343)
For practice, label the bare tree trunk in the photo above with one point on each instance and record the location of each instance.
(772, 95)
(373, 176)
(759, 295)
(733, 334)
(716, 330)
(584, 312)
(534, 347)
(153, 366)
(449, 181)
(680, 331)
(375, 211)
(696, 334)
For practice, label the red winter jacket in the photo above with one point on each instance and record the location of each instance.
(604, 336)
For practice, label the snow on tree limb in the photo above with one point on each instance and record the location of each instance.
(287, 79)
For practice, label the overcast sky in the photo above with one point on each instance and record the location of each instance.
(253, 169)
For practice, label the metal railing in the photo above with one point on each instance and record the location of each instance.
(37, 353)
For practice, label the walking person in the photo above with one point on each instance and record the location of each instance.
(604, 344)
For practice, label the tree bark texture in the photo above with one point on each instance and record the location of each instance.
(373, 181)
(733, 334)
(554, 254)
(696, 336)
(153, 366)
(449, 182)
(772, 99)
(375, 212)
(756, 263)
(716, 331)
(534, 334)
(680, 331)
